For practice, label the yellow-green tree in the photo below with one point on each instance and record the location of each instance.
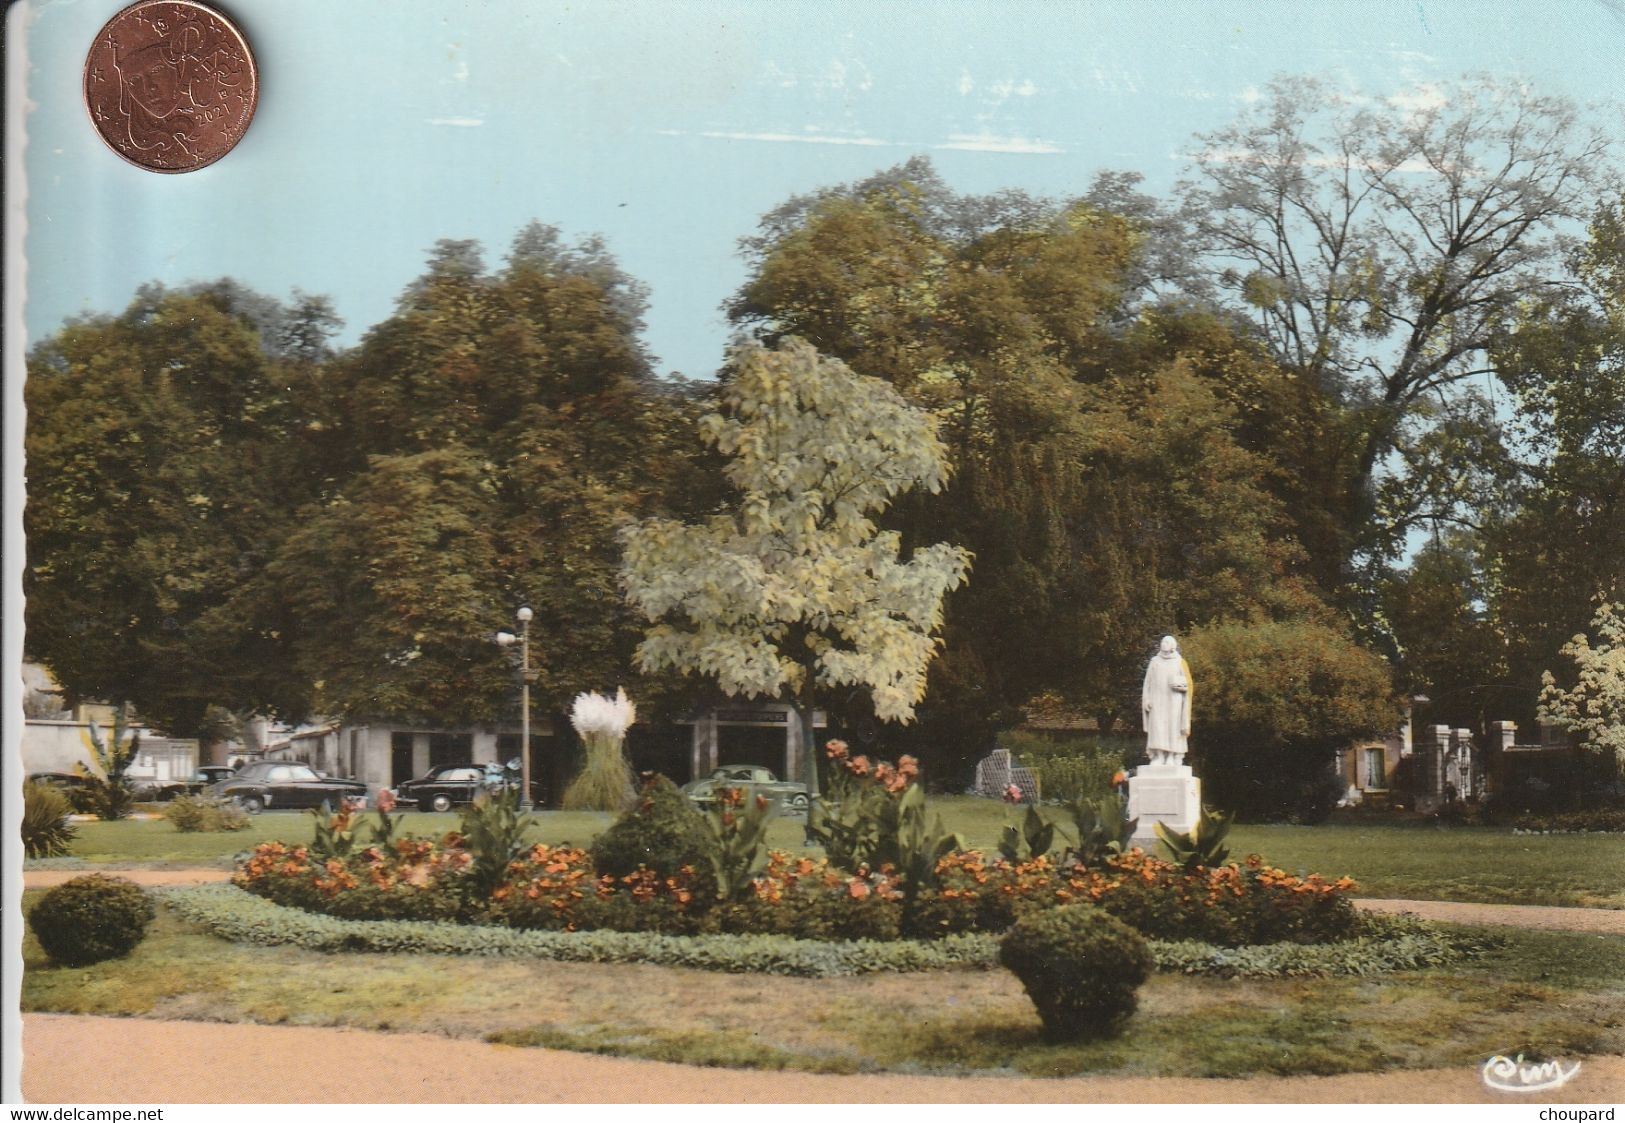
(1593, 708)
(794, 590)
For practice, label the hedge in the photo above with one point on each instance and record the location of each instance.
(1391, 944)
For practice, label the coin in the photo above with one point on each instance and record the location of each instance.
(170, 85)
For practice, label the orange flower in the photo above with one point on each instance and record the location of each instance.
(835, 750)
(858, 888)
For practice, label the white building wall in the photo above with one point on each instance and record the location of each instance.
(57, 746)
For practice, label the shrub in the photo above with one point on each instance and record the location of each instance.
(200, 814)
(875, 817)
(1203, 846)
(410, 879)
(662, 833)
(1081, 969)
(555, 887)
(233, 915)
(605, 784)
(808, 898)
(1231, 905)
(90, 919)
(110, 795)
(738, 831)
(1277, 700)
(1385, 944)
(493, 831)
(973, 895)
(1101, 828)
(1605, 819)
(1081, 776)
(45, 827)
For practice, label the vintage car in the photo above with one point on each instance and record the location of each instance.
(754, 780)
(284, 784)
(449, 784)
(206, 776)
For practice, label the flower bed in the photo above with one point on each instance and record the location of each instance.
(1383, 944)
(555, 888)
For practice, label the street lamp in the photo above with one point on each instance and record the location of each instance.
(508, 639)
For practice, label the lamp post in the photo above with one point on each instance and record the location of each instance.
(507, 639)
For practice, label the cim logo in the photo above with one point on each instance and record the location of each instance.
(1509, 1074)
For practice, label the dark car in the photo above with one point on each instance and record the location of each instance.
(278, 784)
(67, 781)
(450, 784)
(80, 790)
(755, 780)
(206, 776)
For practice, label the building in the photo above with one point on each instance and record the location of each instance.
(383, 754)
(62, 745)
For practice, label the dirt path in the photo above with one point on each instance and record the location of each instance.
(1604, 921)
(133, 1060)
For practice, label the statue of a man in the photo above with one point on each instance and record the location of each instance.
(1165, 701)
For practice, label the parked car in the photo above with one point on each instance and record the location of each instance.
(444, 786)
(755, 780)
(279, 783)
(67, 781)
(79, 789)
(206, 776)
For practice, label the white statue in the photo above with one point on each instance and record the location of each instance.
(1165, 701)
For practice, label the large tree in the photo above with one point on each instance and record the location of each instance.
(222, 510)
(1553, 540)
(1384, 248)
(165, 455)
(794, 591)
(1116, 475)
(497, 429)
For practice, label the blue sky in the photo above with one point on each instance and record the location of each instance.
(669, 128)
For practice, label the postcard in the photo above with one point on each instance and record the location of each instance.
(723, 551)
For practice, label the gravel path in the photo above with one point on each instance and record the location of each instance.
(134, 1060)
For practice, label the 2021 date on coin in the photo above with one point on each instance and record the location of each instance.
(170, 85)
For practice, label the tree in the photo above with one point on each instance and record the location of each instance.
(1553, 537)
(1448, 645)
(165, 455)
(1275, 701)
(1382, 250)
(224, 511)
(496, 430)
(795, 590)
(1594, 706)
(1121, 470)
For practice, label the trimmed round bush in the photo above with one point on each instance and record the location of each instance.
(90, 919)
(1081, 967)
(664, 833)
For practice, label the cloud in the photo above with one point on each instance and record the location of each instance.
(458, 122)
(987, 142)
(1419, 100)
(1011, 88)
(783, 138)
(966, 85)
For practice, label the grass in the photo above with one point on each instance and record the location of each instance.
(1539, 993)
(1419, 862)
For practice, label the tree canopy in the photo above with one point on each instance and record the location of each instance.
(794, 589)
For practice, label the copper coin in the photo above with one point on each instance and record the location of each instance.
(170, 85)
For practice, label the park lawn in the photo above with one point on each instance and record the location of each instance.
(1540, 993)
(1417, 862)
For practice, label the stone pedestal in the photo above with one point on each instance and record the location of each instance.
(1169, 794)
